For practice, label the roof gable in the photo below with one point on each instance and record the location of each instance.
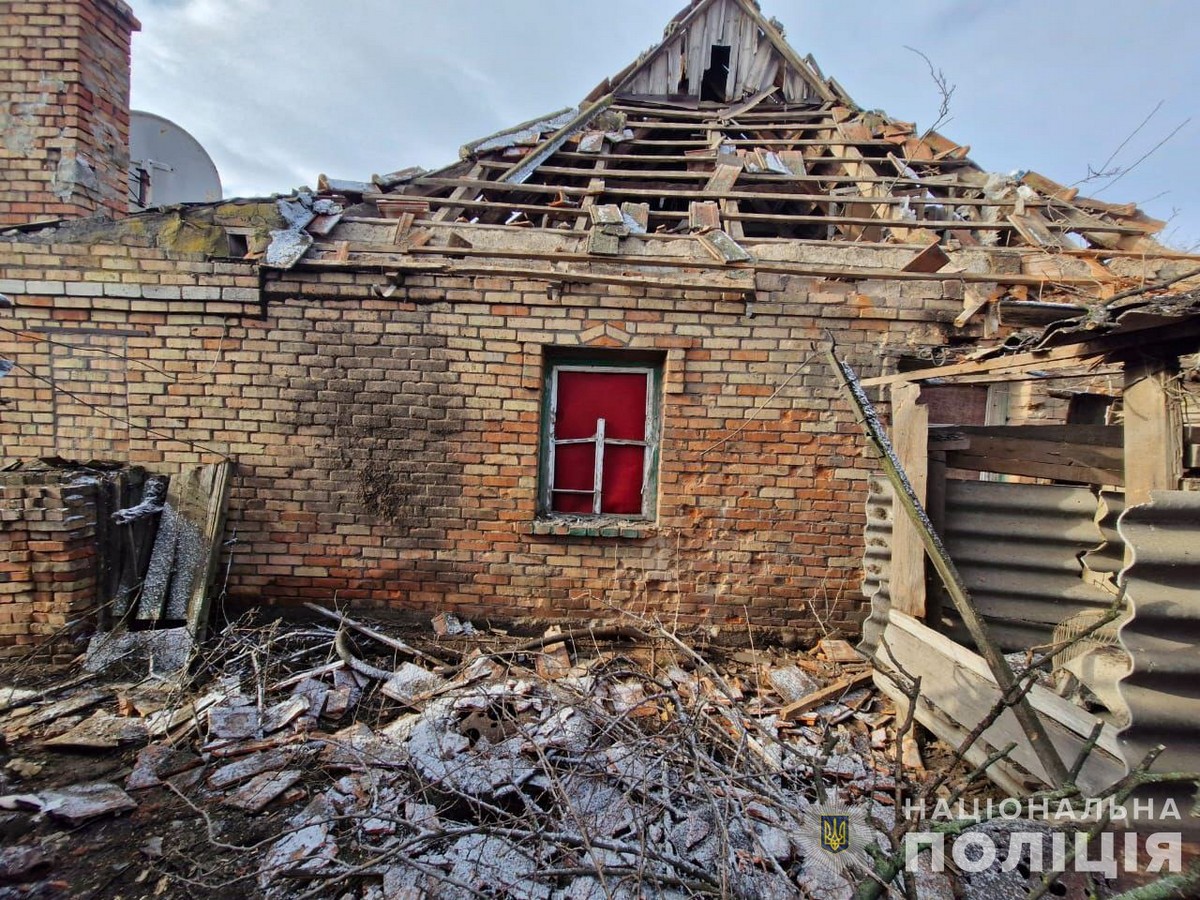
(721, 50)
(723, 127)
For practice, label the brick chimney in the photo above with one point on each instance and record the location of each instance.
(64, 108)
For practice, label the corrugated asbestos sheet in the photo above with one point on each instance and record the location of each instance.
(1108, 558)
(1162, 583)
(877, 560)
(1017, 547)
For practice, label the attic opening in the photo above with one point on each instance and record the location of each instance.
(712, 85)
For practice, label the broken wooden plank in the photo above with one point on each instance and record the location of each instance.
(738, 109)
(404, 223)
(974, 300)
(1061, 357)
(396, 206)
(100, 731)
(386, 640)
(723, 178)
(957, 687)
(838, 651)
(1153, 429)
(450, 212)
(1049, 188)
(932, 259)
(910, 436)
(211, 498)
(1090, 454)
(1036, 230)
(827, 694)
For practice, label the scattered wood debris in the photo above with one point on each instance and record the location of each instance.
(575, 762)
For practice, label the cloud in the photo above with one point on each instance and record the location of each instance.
(279, 92)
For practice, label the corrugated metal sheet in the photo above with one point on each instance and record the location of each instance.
(877, 560)
(1163, 585)
(1018, 547)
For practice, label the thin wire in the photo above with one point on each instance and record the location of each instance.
(37, 338)
(126, 422)
(754, 415)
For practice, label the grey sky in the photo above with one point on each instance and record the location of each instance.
(281, 90)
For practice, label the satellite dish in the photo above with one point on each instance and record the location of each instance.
(167, 165)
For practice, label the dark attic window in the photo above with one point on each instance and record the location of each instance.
(600, 435)
(712, 86)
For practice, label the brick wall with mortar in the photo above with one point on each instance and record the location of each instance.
(388, 448)
(48, 557)
(64, 108)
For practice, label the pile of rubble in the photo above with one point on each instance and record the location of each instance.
(610, 762)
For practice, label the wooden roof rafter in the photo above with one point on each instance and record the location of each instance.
(812, 164)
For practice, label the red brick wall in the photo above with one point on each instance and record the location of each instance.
(64, 108)
(48, 564)
(388, 448)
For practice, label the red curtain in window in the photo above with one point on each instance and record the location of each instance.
(583, 399)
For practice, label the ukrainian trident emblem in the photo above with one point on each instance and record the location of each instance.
(835, 833)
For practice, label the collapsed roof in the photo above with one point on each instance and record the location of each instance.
(722, 125)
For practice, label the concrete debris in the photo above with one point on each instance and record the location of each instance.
(79, 803)
(157, 763)
(262, 789)
(792, 682)
(233, 721)
(602, 763)
(164, 650)
(21, 864)
(23, 768)
(411, 681)
(100, 731)
(450, 624)
(20, 802)
(245, 768)
(11, 696)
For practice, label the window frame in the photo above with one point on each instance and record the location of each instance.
(651, 442)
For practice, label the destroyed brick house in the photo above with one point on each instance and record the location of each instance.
(581, 369)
